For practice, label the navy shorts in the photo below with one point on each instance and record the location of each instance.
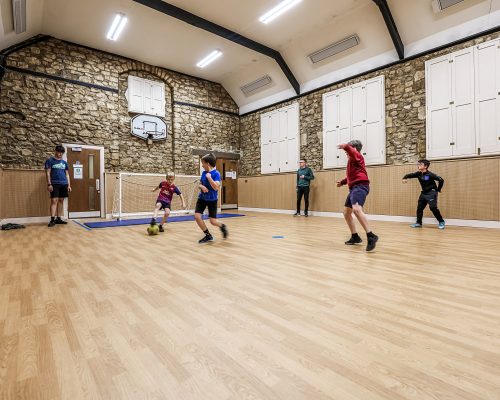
(164, 204)
(59, 191)
(357, 195)
(201, 205)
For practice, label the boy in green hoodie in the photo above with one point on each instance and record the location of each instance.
(304, 178)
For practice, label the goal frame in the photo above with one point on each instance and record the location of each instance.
(121, 215)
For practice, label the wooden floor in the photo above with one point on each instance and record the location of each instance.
(115, 314)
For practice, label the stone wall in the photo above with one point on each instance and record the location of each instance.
(61, 112)
(405, 115)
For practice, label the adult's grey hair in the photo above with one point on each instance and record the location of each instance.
(356, 144)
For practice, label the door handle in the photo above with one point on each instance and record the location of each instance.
(452, 144)
(97, 185)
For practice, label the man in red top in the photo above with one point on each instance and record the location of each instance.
(359, 187)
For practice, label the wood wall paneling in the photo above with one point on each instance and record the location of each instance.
(24, 194)
(471, 190)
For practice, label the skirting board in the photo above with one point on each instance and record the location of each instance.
(26, 220)
(388, 218)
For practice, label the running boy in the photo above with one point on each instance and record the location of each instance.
(167, 190)
(429, 194)
(209, 189)
(58, 185)
(359, 187)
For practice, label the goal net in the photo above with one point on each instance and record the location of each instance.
(134, 194)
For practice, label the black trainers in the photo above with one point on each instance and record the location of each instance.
(306, 215)
(161, 228)
(59, 221)
(224, 231)
(354, 240)
(296, 215)
(51, 223)
(206, 239)
(372, 242)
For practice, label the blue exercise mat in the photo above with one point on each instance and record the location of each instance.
(146, 221)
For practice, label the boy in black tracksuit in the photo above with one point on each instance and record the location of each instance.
(429, 194)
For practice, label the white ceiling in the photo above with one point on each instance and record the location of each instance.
(160, 40)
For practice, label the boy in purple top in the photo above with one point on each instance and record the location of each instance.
(167, 190)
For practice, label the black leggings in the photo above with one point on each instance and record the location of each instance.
(303, 191)
(431, 199)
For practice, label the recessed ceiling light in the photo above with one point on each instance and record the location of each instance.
(117, 26)
(210, 58)
(278, 10)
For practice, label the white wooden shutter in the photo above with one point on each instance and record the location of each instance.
(374, 139)
(487, 102)
(464, 137)
(283, 140)
(331, 125)
(275, 142)
(265, 143)
(359, 109)
(135, 94)
(158, 99)
(266, 154)
(438, 96)
(147, 98)
(293, 137)
(344, 133)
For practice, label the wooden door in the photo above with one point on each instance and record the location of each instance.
(229, 173)
(84, 172)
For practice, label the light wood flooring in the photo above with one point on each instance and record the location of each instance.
(115, 314)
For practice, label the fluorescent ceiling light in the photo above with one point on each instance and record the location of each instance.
(278, 10)
(117, 26)
(208, 59)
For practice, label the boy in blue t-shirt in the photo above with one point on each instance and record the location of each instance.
(209, 187)
(58, 185)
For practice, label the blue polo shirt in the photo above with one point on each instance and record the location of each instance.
(212, 194)
(58, 170)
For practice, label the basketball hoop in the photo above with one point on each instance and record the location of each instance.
(149, 128)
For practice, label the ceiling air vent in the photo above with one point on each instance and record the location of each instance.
(441, 5)
(251, 87)
(334, 48)
(19, 10)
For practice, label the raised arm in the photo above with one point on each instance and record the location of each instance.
(351, 151)
(215, 184)
(412, 175)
